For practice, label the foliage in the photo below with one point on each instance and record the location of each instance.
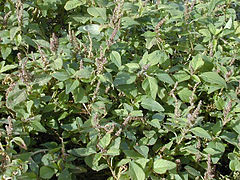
(119, 89)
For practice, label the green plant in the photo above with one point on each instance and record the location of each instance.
(119, 89)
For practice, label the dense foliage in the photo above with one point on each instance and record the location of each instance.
(124, 89)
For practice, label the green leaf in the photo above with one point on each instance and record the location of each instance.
(200, 132)
(181, 76)
(150, 104)
(20, 142)
(128, 89)
(29, 41)
(212, 28)
(197, 62)
(93, 162)
(213, 78)
(205, 32)
(234, 165)
(38, 126)
(211, 6)
(28, 176)
(84, 73)
(123, 162)
(143, 150)
(71, 85)
(42, 43)
(166, 78)
(192, 171)
(229, 24)
(46, 172)
(94, 29)
(72, 4)
(81, 152)
(61, 75)
(136, 172)
(128, 21)
(136, 113)
(116, 58)
(64, 175)
(78, 95)
(114, 150)
(132, 67)
(13, 32)
(185, 95)
(5, 51)
(161, 166)
(97, 12)
(18, 39)
(124, 78)
(42, 79)
(58, 63)
(157, 57)
(142, 162)
(7, 68)
(105, 141)
(150, 42)
(230, 137)
(153, 86)
(15, 97)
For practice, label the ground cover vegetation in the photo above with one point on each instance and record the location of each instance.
(117, 90)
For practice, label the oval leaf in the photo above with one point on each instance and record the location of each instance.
(161, 166)
(136, 172)
(46, 172)
(73, 4)
(213, 78)
(150, 104)
(116, 58)
(200, 132)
